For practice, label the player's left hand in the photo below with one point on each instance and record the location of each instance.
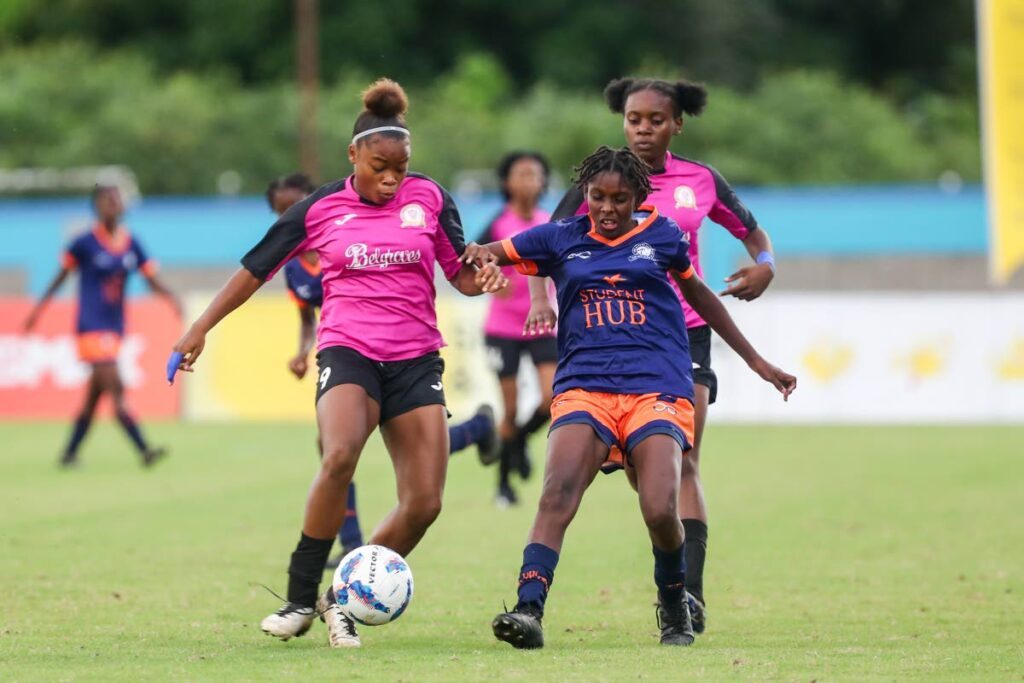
(780, 379)
(299, 365)
(490, 279)
(477, 255)
(749, 282)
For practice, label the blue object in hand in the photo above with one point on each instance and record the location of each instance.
(172, 365)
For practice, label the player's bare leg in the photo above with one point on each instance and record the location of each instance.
(83, 421)
(346, 417)
(657, 460)
(575, 454)
(693, 512)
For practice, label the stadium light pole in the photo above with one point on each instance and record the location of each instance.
(307, 57)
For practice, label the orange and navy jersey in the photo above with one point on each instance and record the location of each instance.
(621, 329)
(305, 283)
(104, 261)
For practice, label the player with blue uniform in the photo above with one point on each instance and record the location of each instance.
(104, 258)
(624, 393)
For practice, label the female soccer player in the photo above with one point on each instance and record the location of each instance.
(524, 178)
(304, 279)
(104, 257)
(624, 388)
(687, 192)
(378, 233)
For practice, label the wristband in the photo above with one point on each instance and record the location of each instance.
(766, 257)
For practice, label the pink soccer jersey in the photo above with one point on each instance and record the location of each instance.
(687, 192)
(377, 262)
(508, 310)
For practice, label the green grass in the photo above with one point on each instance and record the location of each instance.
(835, 553)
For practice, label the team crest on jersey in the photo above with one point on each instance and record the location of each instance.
(685, 197)
(644, 251)
(129, 261)
(413, 216)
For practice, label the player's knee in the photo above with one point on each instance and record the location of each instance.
(661, 518)
(423, 510)
(558, 499)
(339, 462)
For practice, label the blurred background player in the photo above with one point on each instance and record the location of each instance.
(687, 192)
(304, 279)
(104, 257)
(624, 387)
(379, 233)
(523, 177)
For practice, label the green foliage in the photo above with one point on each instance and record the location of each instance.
(65, 104)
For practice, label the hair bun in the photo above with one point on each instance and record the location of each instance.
(385, 99)
(615, 94)
(691, 97)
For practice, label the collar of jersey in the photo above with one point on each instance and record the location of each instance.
(643, 225)
(116, 243)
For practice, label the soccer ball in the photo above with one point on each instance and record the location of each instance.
(373, 585)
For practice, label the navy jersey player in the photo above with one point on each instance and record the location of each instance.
(624, 386)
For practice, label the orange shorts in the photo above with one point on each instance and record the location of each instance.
(99, 347)
(624, 420)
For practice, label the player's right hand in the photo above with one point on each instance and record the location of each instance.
(299, 365)
(477, 255)
(780, 379)
(541, 318)
(190, 346)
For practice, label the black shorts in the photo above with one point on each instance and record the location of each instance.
(398, 386)
(503, 354)
(700, 353)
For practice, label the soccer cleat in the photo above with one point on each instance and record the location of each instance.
(333, 562)
(150, 457)
(520, 628)
(291, 621)
(69, 461)
(341, 630)
(674, 622)
(506, 497)
(524, 464)
(488, 448)
(698, 613)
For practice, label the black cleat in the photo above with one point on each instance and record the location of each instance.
(68, 461)
(506, 497)
(519, 628)
(152, 456)
(332, 563)
(488, 448)
(524, 464)
(674, 622)
(698, 613)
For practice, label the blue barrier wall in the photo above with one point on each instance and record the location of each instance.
(853, 221)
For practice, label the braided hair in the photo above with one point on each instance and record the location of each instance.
(622, 161)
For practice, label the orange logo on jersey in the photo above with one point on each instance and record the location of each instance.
(614, 280)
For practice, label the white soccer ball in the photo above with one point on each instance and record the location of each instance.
(373, 585)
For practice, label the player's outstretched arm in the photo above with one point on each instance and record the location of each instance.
(711, 309)
(307, 337)
(749, 282)
(542, 316)
(157, 286)
(236, 292)
(55, 284)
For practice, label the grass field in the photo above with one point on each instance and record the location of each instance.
(835, 553)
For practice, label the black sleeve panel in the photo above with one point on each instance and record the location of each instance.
(570, 204)
(284, 236)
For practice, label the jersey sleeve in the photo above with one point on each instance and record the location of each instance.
(679, 259)
(284, 240)
(451, 241)
(728, 211)
(73, 255)
(572, 204)
(533, 251)
(143, 263)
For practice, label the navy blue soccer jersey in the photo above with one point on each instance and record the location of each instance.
(621, 329)
(305, 283)
(104, 262)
